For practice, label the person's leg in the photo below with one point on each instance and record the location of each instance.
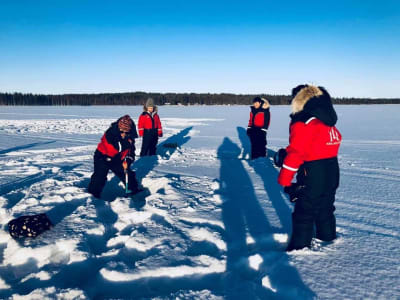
(119, 171)
(325, 221)
(133, 184)
(99, 177)
(145, 144)
(302, 226)
(263, 144)
(259, 142)
(153, 144)
(254, 144)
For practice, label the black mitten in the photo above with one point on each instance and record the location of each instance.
(279, 157)
(293, 191)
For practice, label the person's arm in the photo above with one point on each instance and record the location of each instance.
(299, 140)
(249, 125)
(108, 145)
(267, 119)
(133, 133)
(160, 132)
(141, 125)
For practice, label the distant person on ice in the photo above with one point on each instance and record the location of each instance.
(115, 152)
(149, 128)
(258, 126)
(312, 153)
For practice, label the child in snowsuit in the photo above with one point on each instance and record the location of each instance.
(149, 128)
(258, 126)
(312, 152)
(115, 152)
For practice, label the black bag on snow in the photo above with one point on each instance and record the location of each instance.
(29, 226)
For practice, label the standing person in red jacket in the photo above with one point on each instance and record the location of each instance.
(312, 153)
(258, 126)
(149, 128)
(115, 152)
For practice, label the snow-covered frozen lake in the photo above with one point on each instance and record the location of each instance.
(215, 224)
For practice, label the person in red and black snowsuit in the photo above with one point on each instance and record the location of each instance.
(149, 128)
(115, 152)
(312, 153)
(258, 125)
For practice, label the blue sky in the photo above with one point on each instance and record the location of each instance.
(350, 47)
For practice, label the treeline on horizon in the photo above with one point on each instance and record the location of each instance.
(139, 98)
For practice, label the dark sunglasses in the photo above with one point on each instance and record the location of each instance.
(121, 132)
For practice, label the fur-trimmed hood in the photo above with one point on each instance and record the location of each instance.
(315, 102)
(155, 109)
(266, 104)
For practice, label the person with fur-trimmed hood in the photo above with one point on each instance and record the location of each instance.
(149, 128)
(115, 152)
(312, 153)
(260, 117)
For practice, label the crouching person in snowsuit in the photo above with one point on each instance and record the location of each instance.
(258, 126)
(149, 128)
(115, 152)
(312, 152)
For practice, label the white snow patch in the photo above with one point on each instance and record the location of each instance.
(209, 265)
(52, 293)
(281, 237)
(142, 244)
(267, 284)
(255, 261)
(3, 285)
(203, 221)
(183, 122)
(42, 275)
(202, 234)
(63, 252)
(99, 230)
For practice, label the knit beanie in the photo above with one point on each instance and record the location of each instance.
(150, 102)
(125, 123)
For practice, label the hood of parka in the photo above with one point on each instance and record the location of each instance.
(315, 102)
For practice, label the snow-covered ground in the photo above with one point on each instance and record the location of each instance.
(215, 224)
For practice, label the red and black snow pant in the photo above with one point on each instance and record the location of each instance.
(315, 204)
(258, 140)
(103, 164)
(149, 142)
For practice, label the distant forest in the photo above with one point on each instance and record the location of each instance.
(139, 98)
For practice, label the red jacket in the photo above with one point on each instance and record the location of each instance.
(113, 146)
(308, 141)
(259, 118)
(149, 121)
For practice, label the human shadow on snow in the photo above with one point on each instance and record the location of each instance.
(27, 146)
(265, 169)
(242, 214)
(145, 164)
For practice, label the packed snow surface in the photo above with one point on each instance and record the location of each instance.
(215, 225)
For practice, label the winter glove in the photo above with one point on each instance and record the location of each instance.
(248, 131)
(279, 157)
(125, 144)
(293, 191)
